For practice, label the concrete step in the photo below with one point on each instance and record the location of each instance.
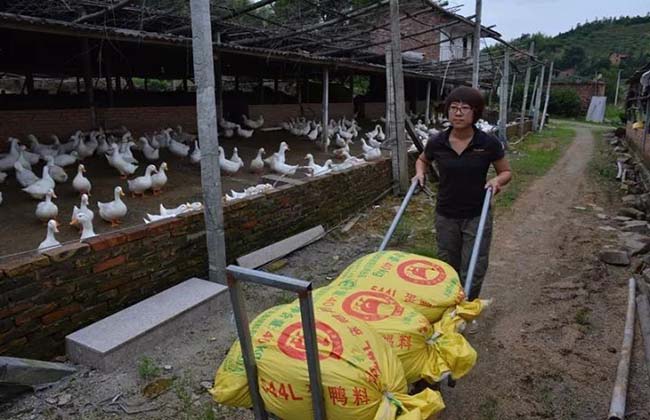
(130, 333)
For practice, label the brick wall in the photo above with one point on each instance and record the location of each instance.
(584, 90)
(44, 297)
(43, 123)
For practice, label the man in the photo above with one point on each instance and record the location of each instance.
(463, 155)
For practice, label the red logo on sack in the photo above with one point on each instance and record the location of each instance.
(369, 305)
(421, 272)
(292, 342)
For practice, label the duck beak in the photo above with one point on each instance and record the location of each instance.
(122, 193)
(54, 195)
(74, 222)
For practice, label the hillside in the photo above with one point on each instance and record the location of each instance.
(587, 47)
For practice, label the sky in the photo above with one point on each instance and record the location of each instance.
(516, 17)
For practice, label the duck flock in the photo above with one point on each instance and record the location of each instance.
(118, 146)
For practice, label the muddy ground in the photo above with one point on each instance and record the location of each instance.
(548, 347)
(26, 231)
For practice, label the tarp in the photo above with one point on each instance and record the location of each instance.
(596, 112)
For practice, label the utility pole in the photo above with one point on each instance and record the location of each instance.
(325, 108)
(538, 100)
(522, 124)
(208, 138)
(503, 99)
(548, 95)
(476, 48)
(618, 84)
(400, 155)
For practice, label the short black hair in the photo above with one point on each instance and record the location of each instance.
(469, 96)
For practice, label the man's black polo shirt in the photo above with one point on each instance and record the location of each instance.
(462, 177)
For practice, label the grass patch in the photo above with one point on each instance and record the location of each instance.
(488, 409)
(582, 317)
(531, 159)
(602, 167)
(148, 369)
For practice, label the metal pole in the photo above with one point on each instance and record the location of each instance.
(476, 47)
(325, 108)
(311, 348)
(618, 84)
(617, 406)
(503, 99)
(477, 242)
(548, 96)
(400, 149)
(398, 216)
(538, 100)
(208, 138)
(526, 86)
(247, 350)
(427, 118)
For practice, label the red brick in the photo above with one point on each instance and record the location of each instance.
(67, 251)
(109, 263)
(105, 241)
(61, 313)
(23, 264)
(34, 312)
(11, 310)
(112, 283)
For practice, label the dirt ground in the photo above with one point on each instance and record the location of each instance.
(26, 231)
(548, 347)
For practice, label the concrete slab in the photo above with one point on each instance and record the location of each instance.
(30, 372)
(280, 179)
(279, 249)
(130, 333)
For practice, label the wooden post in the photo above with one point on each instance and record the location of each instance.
(538, 100)
(503, 99)
(476, 47)
(427, 117)
(325, 108)
(526, 87)
(548, 96)
(618, 84)
(88, 81)
(209, 141)
(400, 155)
(534, 96)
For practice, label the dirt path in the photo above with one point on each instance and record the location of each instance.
(546, 347)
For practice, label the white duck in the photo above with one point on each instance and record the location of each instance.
(39, 188)
(22, 159)
(175, 211)
(64, 160)
(242, 132)
(80, 183)
(313, 134)
(56, 172)
(254, 124)
(42, 149)
(46, 210)
(102, 146)
(114, 210)
(365, 147)
(257, 164)
(317, 170)
(223, 123)
(3, 176)
(159, 179)
(372, 154)
(150, 153)
(50, 241)
(85, 149)
(142, 183)
(25, 177)
(117, 161)
(82, 209)
(195, 157)
(284, 147)
(179, 149)
(31, 158)
(87, 230)
(235, 157)
(281, 167)
(228, 166)
(127, 153)
(374, 143)
(228, 133)
(68, 146)
(7, 162)
(380, 136)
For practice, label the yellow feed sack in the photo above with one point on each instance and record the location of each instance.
(362, 378)
(427, 285)
(425, 352)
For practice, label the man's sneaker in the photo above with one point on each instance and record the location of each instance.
(472, 327)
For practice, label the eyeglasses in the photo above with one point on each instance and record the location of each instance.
(463, 109)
